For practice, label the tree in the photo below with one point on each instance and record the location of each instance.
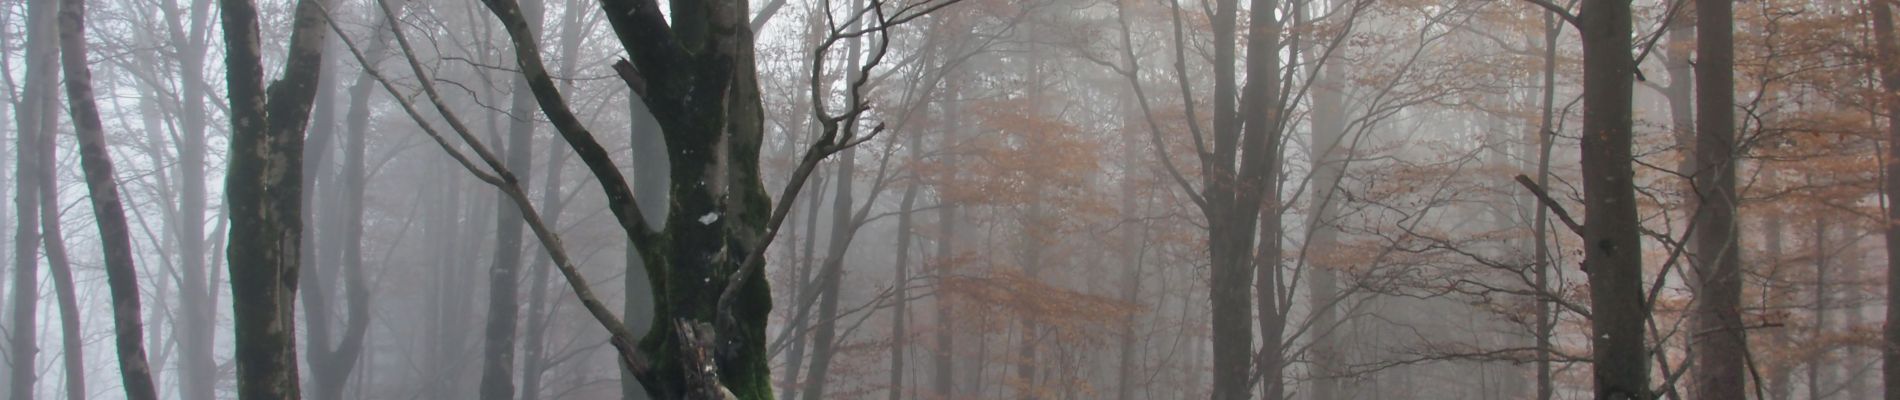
(31, 116)
(1613, 254)
(1887, 53)
(263, 190)
(498, 344)
(1718, 334)
(121, 275)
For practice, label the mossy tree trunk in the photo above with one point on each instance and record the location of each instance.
(263, 192)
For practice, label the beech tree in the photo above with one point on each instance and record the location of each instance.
(263, 189)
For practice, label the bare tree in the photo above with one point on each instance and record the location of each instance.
(34, 130)
(121, 274)
(264, 192)
(1718, 336)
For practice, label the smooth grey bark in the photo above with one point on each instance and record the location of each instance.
(830, 275)
(195, 323)
(58, 264)
(114, 236)
(498, 355)
(1330, 155)
(332, 365)
(650, 182)
(534, 362)
(263, 193)
(799, 326)
(33, 132)
(1546, 140)
(1134, 234)
(900, 310)
(943, 356)
(1816, 362)
(1720, 341)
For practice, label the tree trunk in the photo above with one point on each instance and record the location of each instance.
(1541, 225)
(1719, 339)
(194, 328)
(651, 183)
(534, 349)
(1816, 361)
(121, 274)
(263, 193)
(942, 356)
(1890, 81)
(1329, 168)
(53, 237)
(900, 310)
(33, 130)
(824, 332)
(332, 365)
(498, 355)
(1613, 256)
(1133, 250)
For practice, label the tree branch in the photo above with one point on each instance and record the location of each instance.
(1550, 203)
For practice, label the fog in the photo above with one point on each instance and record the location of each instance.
(949, 199)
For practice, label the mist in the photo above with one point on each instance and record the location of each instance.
(949, 199)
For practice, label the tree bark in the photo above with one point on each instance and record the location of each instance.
(942, 356)
(900, 310)
(1612, 237)
(824, 330)
(498, 355)
(58, 265)
(1886, 52)
(1719, 339)
(263, 193)
(1816, 361)
(1541, 224)
(115, 238)
(194, 328)
(33, 131)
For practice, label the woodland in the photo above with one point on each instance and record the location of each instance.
(949, 199)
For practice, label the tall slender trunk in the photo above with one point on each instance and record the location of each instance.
(1133, 240)
(1329, 168)
(58, 265)
(900, 310)
(1817, 362)
(830, 275)
(498, 375)
(1613, 256)
(942, 356)
(534, 349)
(195, 326)
(1719, 339)
(1886, 52)
(651, 180)
(32, 132)
(798, 327)
(114, 236)
(1780, 375)
(332, 365)
(1545, 139)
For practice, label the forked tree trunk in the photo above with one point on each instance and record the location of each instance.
(264, 193)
